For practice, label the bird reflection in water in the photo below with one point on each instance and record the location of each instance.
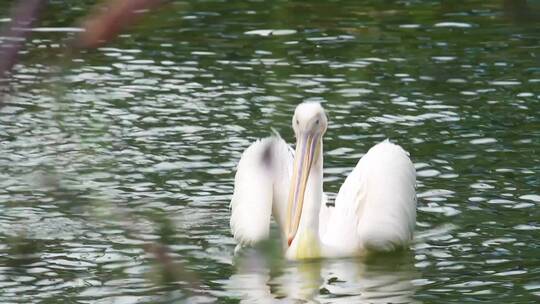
(262, 278)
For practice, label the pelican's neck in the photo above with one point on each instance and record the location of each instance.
(306, 243)
(313, 197)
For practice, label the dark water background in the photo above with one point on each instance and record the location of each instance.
(106, 151)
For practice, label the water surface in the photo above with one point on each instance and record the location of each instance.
(105, 152)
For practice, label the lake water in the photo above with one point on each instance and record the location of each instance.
(106, 154)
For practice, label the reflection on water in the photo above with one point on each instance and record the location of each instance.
(136, 143)
(386, 279)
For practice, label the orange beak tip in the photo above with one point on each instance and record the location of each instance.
(289, 242)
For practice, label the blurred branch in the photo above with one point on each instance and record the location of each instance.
(23, 14)
(171, 271)
(109, 20)
(100, 27)
(167, 269)
(520, 11)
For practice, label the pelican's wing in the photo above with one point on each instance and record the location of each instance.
(376, 206)
(260, 189)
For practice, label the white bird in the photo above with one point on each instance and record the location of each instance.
(374, 211)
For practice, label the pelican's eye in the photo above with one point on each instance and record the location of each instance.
(297, 122)
(317, 121)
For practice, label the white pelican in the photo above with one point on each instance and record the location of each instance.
(375, 209)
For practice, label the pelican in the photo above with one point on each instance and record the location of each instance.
(374, 210)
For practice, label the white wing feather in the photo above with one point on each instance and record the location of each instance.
(262, 174)
(376, 206)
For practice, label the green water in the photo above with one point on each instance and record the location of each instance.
(105, 152)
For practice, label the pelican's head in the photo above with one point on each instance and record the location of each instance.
(309, 117)
(309, 124)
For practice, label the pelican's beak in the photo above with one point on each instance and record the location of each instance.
(307, 147)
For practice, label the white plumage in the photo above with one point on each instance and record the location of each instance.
(375, 209)
(261, 185)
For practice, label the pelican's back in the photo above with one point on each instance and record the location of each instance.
(376, 206)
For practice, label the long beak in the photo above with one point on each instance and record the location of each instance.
(306, 150)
